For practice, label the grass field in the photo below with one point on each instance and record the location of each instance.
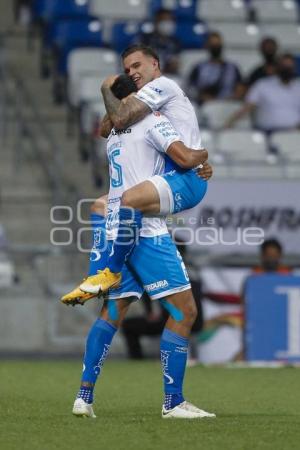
(256, 408)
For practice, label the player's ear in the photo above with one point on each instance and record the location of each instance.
(155, 63)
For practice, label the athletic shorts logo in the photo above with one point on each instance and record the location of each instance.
(158, 285)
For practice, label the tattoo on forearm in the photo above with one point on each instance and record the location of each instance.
(111, 102)
(126, 112)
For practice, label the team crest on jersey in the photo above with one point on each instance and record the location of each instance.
(157, 113)
(159, 91)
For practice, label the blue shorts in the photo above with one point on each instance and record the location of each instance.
(188, 189)
(155, 265)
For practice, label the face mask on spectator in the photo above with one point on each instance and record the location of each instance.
(286, 73)
(269, 57)
(215, 51)
(166, 27)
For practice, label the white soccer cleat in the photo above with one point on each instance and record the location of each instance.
(83, 409)
(185, 410)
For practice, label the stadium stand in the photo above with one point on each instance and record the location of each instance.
(80, 42)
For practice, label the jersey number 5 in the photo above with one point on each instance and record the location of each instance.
(116, 169)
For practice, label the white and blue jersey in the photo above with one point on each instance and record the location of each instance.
(164, 95)
(135, 155)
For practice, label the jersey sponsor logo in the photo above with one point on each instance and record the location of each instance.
(118, 132)
(159, 91)
(158, 285)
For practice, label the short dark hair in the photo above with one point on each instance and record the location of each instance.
(286, 56)
(271, 243)
(123, 86)
(161, 11)
(148, 51)
(214, 33)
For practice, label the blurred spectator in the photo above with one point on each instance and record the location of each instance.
(163, 40)
(215, 78)
(270, 258)
(275, 100)
(22, 11)
(268, 49)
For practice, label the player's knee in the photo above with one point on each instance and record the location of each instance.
(190, 311)
(99, 206)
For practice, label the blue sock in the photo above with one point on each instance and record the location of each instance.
(130, 222)
(173, 355)
(97, 348)
(99, 254)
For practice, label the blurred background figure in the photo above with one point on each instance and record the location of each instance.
(274, 100)
(22, 11)
(164, 41)
(215, 78)
(271, 254)
(268, 49)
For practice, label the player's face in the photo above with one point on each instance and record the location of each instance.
(141, 68)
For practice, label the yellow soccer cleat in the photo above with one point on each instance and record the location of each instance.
(102, 282)
(76, 297)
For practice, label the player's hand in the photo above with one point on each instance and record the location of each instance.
(109, 81)
(206, 172)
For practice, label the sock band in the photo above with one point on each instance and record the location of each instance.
(174, 338)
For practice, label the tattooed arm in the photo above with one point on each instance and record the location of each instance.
(106, 126)
(126, 112)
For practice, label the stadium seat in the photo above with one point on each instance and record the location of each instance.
(86, 62)
(191, 35)
(287, 143)
(183, 9)
(215, 113)
(238, 35)
(276, 10)
(90, 112)
(292, 171)
(52, 10)
(238, 145)
(88, 89)
(208, 141)
(189, 58)
(255, 171)
(68, 35)
(123, 34)
(245, 60)
(288, 35)
(119, 9)
(221, 10)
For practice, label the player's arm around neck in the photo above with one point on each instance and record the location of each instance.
(186, 157)
(126, 112)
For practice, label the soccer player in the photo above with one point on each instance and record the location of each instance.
(176, 190)
(166, 278)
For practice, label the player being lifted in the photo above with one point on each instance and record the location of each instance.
(140, 154)
(175, 191)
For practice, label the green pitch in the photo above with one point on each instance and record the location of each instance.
(256, 408)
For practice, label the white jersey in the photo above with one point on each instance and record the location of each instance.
(164, 95)
(134, 155)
